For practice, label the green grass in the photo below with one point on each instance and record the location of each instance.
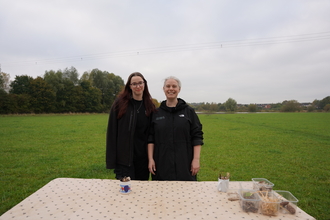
(292, 150)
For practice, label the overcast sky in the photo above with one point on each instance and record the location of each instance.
(254, 51)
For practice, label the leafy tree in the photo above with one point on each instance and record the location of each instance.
(316, 104)
(71, 74)
(42, 96)
(91, 97)
(324, 102)
(61, 91)
(231, 105)
(4, 102)
(21, 85)
(15, 104)
(327, 107)
(68, 92)
(66, 97)
(311, 108)
(290, 106)
(200, 106)
(23, 103)
(156, 103)
(213, 107)
(242, 108)
(276, 106)
(85, 77)
(85, 85)
(252, 108)
(108, 83)
(54, 79)
(221, 107)
(78, 96)
(116, 83)
(206, 106)
(4, 81)
(100, 81)
(65, 85)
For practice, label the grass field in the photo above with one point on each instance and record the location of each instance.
(292, 150)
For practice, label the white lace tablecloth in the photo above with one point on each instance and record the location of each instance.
(69, 198)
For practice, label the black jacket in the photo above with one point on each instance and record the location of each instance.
(175, 132)
(120, 137)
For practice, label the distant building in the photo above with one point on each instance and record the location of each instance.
(305, 104)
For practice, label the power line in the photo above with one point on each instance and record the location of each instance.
(183, 47)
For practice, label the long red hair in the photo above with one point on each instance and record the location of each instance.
(125, 96)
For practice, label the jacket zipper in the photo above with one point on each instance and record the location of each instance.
(131, 138)
(174, 150)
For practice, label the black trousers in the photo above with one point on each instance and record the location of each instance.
(138, 171)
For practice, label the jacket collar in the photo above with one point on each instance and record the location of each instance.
(181, 105)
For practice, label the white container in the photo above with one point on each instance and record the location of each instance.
(125, 187)
(223, 185)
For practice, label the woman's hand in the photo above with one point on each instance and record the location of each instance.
(152, 166)
(194, 167)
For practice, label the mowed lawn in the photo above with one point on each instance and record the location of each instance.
(292, 150)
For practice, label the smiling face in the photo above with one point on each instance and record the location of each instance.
(171, 89)
(137, 87)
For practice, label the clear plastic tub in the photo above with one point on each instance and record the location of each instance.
(249, 200)
(269, 203)
(262, 184)
(288, 202)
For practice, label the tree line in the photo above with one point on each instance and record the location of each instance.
(60, 91)
(286, 106)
